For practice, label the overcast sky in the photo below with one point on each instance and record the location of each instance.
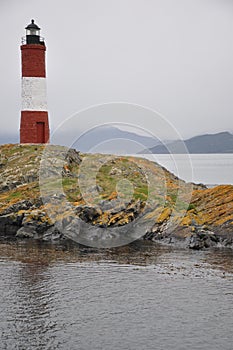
(174, 56)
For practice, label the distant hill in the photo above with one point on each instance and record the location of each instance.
(210, 143)
(108, 139)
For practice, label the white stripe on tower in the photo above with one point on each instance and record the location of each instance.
(34, 94)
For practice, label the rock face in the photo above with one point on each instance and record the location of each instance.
(45, 191)
(208, 221)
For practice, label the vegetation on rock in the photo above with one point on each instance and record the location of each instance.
(106, 191)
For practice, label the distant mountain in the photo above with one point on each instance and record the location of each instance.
(209, 143)
(108, 139)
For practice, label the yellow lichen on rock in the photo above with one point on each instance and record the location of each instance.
(164, 215)
(215, 205)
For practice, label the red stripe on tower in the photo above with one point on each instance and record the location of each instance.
(34, 126)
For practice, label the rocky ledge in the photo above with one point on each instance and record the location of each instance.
(54, 193)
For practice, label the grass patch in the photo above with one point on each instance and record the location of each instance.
(191, 207)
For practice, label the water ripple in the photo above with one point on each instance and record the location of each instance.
(136, 297)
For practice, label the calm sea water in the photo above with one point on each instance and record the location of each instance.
(209, 169)
(137, 297)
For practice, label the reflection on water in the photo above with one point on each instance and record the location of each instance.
(141, 296)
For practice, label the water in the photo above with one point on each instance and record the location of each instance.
(141, 296)
(211, 169)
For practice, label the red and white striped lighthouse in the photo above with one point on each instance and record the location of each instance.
(34, 126)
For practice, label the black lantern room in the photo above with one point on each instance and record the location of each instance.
(33, 34)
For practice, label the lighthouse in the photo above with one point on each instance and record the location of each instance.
(34, 125)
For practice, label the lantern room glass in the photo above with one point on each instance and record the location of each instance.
(33, 31)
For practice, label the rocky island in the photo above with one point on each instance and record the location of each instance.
(52, 193)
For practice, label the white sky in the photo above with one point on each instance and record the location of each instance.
(174, 56)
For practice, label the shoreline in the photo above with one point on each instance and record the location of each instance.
(194, 238)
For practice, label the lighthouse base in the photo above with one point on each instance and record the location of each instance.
(34, 127)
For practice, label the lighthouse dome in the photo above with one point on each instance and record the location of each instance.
(32, 25)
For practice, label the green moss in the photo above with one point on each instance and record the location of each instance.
(191, 207)
(13, 195)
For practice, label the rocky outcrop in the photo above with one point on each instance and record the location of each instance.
(193, 238)
(126, 192)
(208, 222)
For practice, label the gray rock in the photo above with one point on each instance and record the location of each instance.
(203, 239)
(26, 232)
(52, 234)
(9, 224)
(14, 208)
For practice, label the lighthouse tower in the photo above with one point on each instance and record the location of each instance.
(34, 126)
